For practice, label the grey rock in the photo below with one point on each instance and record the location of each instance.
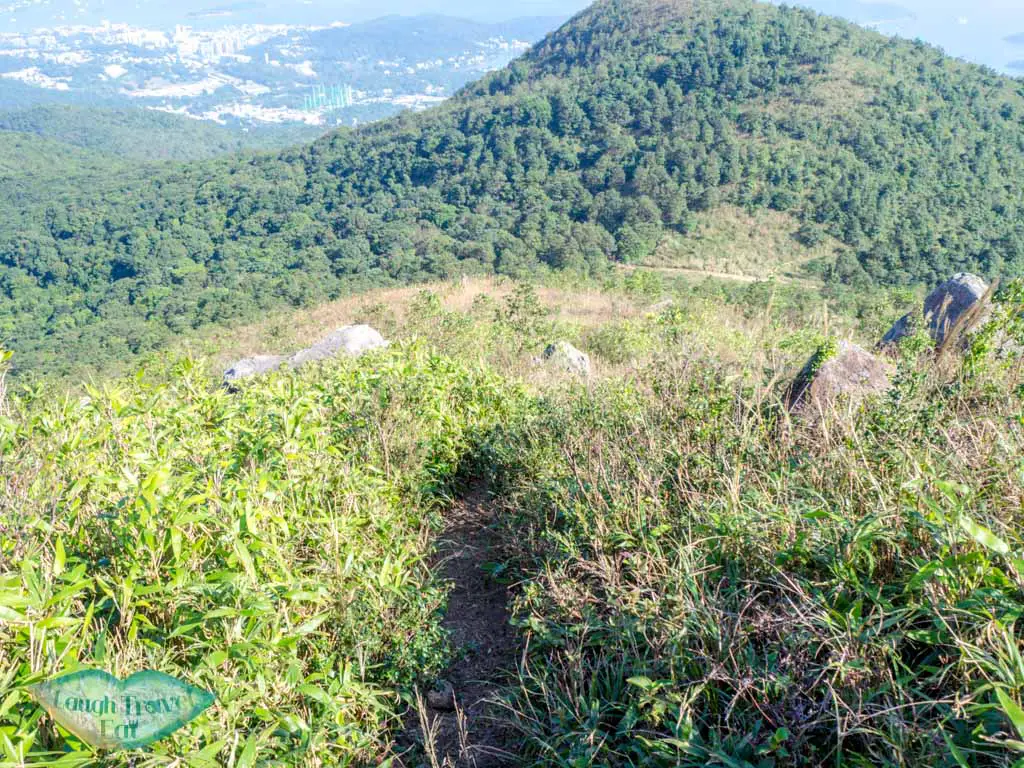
(1008, 349)
(948, 303)
(851, 374)
(565, 356)
(900, 330)
(352, 340)
(442, 698)
(253, 366)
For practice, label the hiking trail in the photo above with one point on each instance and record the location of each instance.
(485, 646)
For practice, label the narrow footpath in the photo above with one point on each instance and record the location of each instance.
(469, 732)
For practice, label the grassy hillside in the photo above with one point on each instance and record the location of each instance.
(617, 134)
(695, 578)
(761, 243)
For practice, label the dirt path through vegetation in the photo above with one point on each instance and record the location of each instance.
(486, 647)
(701, 273)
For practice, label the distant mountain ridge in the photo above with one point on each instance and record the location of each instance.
(205, 13)
(143, 135)
(427, 35)
(603, 143)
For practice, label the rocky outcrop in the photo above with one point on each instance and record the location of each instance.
(950, 302)
(352, 340)
(944, 308)
(838, 373)
(566, 357)
(900, 330)
(253, 366)
(442, 697)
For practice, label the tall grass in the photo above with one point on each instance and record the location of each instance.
(700, 578)
(706, 582)
(267, 545)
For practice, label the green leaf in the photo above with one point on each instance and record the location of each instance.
(242, 553)
(68, 592)
(316, 693)
(205, 757)
(311, 625)
(59, 558)
(216, 658)
(1012, 710)
(10, 701)
(12, 616)
(956, 752)
(644, 683)
(248, 757)
(984, 536)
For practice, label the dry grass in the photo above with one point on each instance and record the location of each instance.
(291, 330)
(729, 242)
(845, 88)
(746, 591)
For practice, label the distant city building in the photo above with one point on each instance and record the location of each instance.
(203, 72)
(322, 97)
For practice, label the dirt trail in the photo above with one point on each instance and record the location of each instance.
(486, 646)
(701, 273)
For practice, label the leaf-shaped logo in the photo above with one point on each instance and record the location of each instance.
(110, 714)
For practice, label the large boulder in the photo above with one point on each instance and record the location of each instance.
(947, 304)
(352, 340)
(844, 372)
(943, 309)
(253, 366)
(566, 357)
(900, 330)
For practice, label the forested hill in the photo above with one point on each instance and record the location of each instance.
(143, 134)
(621, 127)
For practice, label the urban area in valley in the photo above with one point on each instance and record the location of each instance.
(263, 73)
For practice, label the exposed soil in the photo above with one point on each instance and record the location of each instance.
(486, 648)
(736, 277)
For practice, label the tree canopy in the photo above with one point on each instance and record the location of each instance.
(613, 132)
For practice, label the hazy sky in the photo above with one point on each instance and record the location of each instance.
(972, 29)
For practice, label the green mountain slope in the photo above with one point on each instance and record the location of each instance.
(142, 134)
(610, 137)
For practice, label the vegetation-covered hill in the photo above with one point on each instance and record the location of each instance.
(604, 142)
(141, 134)
(694, 576)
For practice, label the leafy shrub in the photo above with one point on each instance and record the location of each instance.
(523, 319)
(620, 342)
(267, 545)
(705, 585)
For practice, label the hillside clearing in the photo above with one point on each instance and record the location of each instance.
(730, 243)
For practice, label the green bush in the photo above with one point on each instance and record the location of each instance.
(267, 545)
(706, 583)
(620, 342)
